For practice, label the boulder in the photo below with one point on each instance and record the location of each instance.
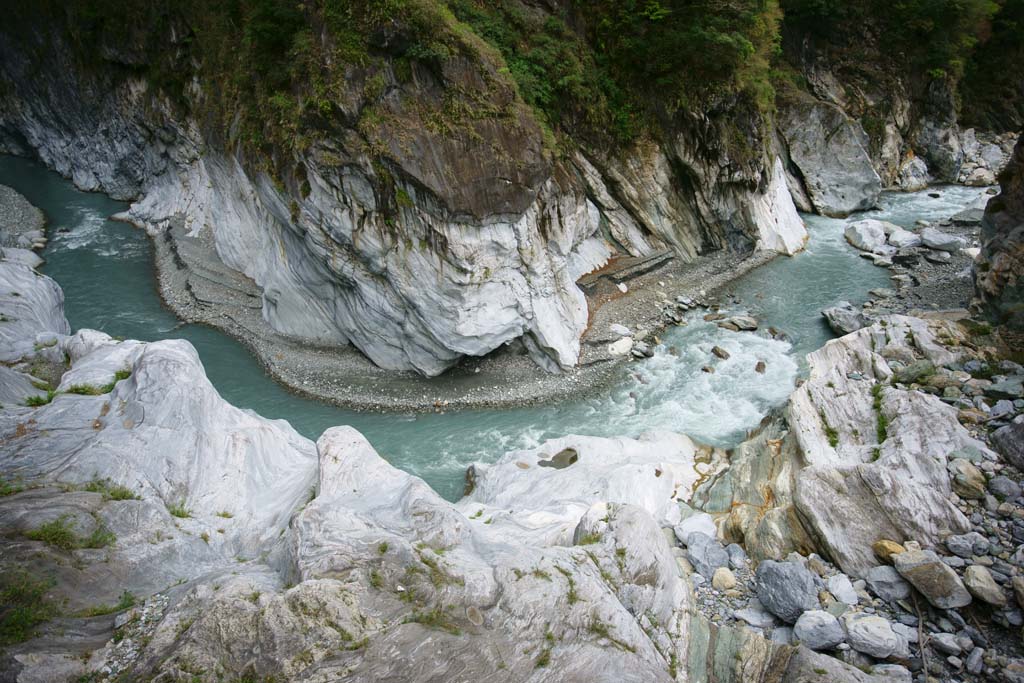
(786, 589)
(981, 585)
(871, 635)
(866, 235)
(699, 522)
(844, 318)
(723, 579)
(933, 578)
(904, 239)
(884, 549)
(818, 630)
(1009, 441)
(621, 347)
(756, 615)
(936, 239)
(885, 582)
(968, 480)
(1004, 488)
(942, 149)
(831, 151)
(967, 545)
(913, 175)
(739, 323)
(705, 554)
(841, 587)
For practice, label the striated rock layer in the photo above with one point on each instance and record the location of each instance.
(416, 246)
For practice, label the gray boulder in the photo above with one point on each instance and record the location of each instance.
(831, 151)
(936, 239)
(786, 589)
(933, 578)
(913, 175)
(1009, 441)
(705, 554)
(967, 545)
(887, 584)
(818, 630)
(942, 149)
(844, 318)
(871, 635)
(1005, 488)
(698, 522)
(866, 235)
(843, 590)
(904, 239)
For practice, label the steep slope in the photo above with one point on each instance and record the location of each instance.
(999, 271)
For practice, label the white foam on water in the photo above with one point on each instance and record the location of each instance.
(84, 229)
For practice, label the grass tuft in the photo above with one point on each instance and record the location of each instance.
(179, 510)
(23, 605)
(37, 401)
(126, 601)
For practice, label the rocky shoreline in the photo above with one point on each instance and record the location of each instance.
(22, 225)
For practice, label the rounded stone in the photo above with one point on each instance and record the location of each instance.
(818, 630)
(871, 635)
(723, 579)
(884, 549)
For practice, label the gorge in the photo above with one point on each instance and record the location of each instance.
(423, 341)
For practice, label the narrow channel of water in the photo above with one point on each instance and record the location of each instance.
(106, 270)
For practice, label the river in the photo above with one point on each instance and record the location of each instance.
(106, 270)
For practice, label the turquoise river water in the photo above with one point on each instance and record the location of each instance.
(106, 270)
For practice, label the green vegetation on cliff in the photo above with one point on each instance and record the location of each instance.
(618, 68)
(277, 75)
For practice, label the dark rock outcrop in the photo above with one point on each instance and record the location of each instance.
(999, 272)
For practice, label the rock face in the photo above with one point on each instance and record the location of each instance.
(861, 438)
(343, 242)
(830, 150)
(854, 460)
(999, 271)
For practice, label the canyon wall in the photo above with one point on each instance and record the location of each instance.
(416, 235)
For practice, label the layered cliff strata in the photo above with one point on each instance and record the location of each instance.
(999, 270)
(416, 240)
